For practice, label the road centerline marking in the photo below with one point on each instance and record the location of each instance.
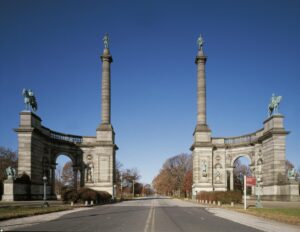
(149, 218)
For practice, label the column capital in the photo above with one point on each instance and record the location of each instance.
(200, 59)
(106, 58)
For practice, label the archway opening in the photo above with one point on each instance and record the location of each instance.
(241, 167)
(65, 177)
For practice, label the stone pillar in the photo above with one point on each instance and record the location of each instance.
(29, 149)
(201, 88)
(52, 171)
(252, 168)
(274, 178)
(106, 59)
(103, 172)
(75, 173)
(231, 179)
(82, 172)
(202, 148)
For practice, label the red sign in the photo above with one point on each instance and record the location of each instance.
(250, 181)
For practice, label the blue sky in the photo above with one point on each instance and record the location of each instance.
(53, 47)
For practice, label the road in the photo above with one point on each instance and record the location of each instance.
(142, 215)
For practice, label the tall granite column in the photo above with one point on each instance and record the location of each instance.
(106, 60)
(104, 161)
(201, 88)
(202, 146)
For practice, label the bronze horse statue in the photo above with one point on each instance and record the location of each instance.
(29, 100)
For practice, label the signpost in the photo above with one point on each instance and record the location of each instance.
(248, 181)
(251, 181)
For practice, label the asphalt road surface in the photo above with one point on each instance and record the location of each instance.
(142, 215)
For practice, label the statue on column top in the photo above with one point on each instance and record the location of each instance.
(274, 104)
(29, 99)
(200, 42)
(106, 41)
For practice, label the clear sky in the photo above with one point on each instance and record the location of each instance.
(53, 47)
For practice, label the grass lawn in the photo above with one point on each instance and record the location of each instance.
(287, 215)
(16, 212)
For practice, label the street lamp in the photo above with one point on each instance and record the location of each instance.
(121, 186)
(45, 204)
(114, 192)
(133, 187)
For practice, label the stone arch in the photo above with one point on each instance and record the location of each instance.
(69, 155)
(236, 157)
(76, 156)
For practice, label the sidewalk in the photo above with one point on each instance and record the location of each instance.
(16, 223)
(254, 221)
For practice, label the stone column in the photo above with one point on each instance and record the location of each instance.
(202, 148)
(106, 59)
(231, 179)
(103, 168)
(201, 87)
(52, 173)
(82, 176)
(75, 173)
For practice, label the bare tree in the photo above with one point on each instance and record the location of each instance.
(239, 171)
(8, 158)
(67, 176)
(172, 178)
(130, 177)
(58, 179)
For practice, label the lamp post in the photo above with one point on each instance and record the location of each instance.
(115, 192)
(121, 185)
(133, 188)
(45, 204)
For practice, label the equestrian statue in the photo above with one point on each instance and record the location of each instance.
(274, 104)
(29, 100)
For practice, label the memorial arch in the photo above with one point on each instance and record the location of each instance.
(213, 157)
(38, 148)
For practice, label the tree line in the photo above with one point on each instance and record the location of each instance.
(175, 178)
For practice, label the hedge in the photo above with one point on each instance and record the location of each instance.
(86, 194)
(224, 197)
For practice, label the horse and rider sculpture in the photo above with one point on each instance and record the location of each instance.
(274, 104)
(29, 100)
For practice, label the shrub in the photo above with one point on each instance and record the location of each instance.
(69, 195)
(23, 179)
(85, 194)
(104, 196)
(224, 197)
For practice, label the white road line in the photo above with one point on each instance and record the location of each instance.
(153, 221)
(149, 218)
